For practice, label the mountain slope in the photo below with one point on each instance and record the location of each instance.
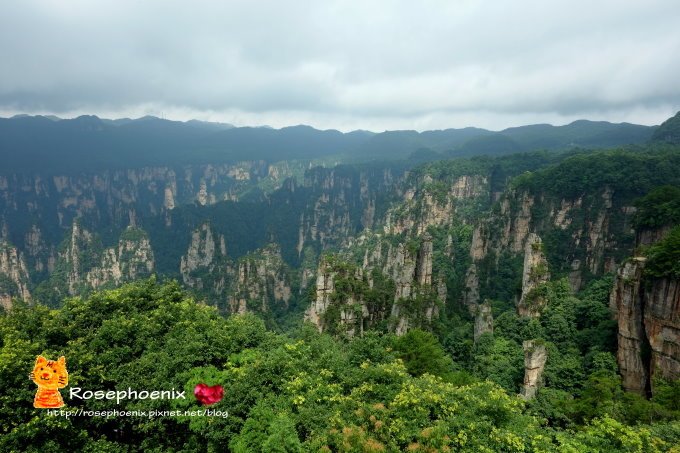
(89, 143)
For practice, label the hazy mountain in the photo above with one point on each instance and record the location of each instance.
(669, 131)
(581, 133)
(88, 142)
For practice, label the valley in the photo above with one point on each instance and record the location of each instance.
(546, 267)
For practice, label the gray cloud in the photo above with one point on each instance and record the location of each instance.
(378, 64)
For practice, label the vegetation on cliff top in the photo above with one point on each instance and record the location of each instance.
(659, 208)
(630, 173)
(663, 258)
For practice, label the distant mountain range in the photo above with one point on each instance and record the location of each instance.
(88, 142)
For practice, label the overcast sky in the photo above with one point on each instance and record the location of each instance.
(345, 65)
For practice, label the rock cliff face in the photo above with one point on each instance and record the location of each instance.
(535, 356)
(404, 251)
(413, 279)
(649, 236)
(424, 204)
(582, 236)
(325, 287)
(339, 309)
(205, 266)
(41, 257)
(648, 315)
(483, 320)
(416, 296)
(84, 263)
(332, 205)
(110, 194)
(471, 291)
(131, 259)
(662, 325)
(109, 198)
(258, 281)
(342, 204)
(13, 276)
(627, 301)
(411, 293)
(262, 279)
(534, 274)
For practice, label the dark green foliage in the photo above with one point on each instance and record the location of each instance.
(564, 370)
(422, 353)
(133, 234)
(267, 431)
(663, 258)
(596, 329)
(7, 285)
(499, 360)
(499, 169)
(303, 392)
(504, 284)
(658, 208)
(628, 173)
(667, 395)
(422, 155)
(600, 395)
(554, 406)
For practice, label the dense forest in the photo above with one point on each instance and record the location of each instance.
(473, 291)
(309, 391)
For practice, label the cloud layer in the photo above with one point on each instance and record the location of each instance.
(372, 65)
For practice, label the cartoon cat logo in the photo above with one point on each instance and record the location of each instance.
(49, 376)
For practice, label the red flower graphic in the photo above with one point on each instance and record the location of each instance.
(208, 395)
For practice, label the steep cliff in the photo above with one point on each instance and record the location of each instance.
(470, 297)
(131, 259)
(13, 276)
(662, 325)
(83, 263)
(483, 320)
(581, 209)
(340, 305)
(416, 301)
(583, 236)
(534, 275)
(262, 280)
(325, 287)
(205, 266)
(343, 202)
(646, 302)
(41, 257)
(429, 202)
(417, 243)
(107, 198)
(535, 356)
(627, 302)
(378, 279)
